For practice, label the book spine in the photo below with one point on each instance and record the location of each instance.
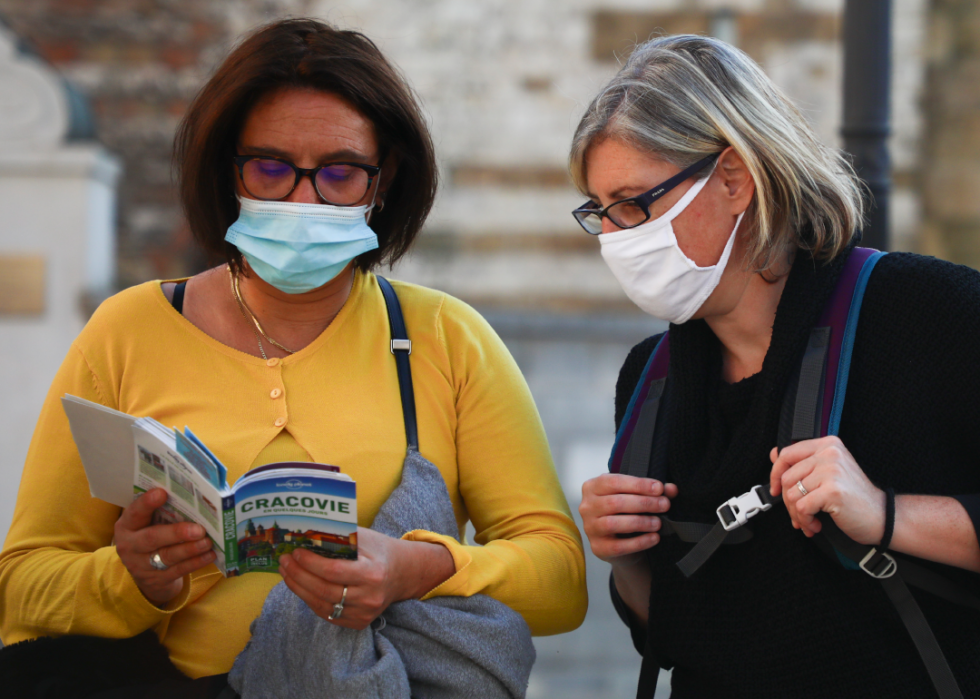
(231, 537)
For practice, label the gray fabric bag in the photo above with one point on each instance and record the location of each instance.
(441, 648)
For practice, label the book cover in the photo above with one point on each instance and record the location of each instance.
(276, 515)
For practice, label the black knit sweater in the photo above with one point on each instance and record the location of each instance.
(777, 617)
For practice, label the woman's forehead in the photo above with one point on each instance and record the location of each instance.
(301, 121)
(612, 164)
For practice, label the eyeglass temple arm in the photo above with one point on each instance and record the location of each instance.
(690, 171)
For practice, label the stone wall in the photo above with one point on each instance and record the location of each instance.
(504, 82)
(950, 177)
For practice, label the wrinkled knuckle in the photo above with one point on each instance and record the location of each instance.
(620, 547)
(615, 503)
(603, 527)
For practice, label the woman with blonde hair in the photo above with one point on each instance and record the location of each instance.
(757, 543)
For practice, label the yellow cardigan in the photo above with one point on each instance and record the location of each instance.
(339, 400)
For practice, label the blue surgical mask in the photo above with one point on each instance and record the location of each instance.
(300, 247)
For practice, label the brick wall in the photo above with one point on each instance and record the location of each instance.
(503, 81)
(950, 177)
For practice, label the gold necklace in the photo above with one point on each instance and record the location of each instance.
(249, 315)
(258, 338)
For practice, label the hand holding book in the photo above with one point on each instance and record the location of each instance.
(386, 571)
(269, 512)
(183, 547)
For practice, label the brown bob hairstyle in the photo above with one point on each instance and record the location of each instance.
(304, 53)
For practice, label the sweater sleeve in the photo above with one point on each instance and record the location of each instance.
(59, 573)
(919, 330)
(530, 551)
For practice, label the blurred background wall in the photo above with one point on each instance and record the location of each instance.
(504, 82)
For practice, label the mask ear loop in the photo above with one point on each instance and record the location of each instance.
(690, 195)
(374, 205)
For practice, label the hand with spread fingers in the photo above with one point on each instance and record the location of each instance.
(821, 475)
(158, 556)
(614, 504)
(355, 593)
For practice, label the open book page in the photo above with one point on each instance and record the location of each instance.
(191, 497)
(271, 510)
(104, 438)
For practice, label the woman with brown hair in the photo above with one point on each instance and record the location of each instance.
(304, 163)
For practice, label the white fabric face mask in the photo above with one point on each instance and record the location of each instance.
(653, 270)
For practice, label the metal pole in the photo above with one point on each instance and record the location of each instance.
(867, 106)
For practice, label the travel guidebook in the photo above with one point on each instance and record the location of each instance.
(270, 511)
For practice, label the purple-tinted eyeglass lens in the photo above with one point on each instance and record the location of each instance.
(338, 173)
(272, 168)
(342, 184)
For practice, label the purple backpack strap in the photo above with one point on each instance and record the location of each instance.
(841, 314)
(808, 402)
(646, 395)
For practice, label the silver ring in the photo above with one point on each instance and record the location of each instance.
(157, 563)
(802, 488)
(338, 608)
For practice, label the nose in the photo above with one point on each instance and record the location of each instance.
(305, 192)
(608, 226)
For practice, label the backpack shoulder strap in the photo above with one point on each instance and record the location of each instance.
(836, 382)
(634, 440)
(822, 373)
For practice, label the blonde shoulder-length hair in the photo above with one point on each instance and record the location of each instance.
(683, 97)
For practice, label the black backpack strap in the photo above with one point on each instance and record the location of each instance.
(401, 347)
(646, 687)
(637, 459)
(894, 574)
(178, 300)
(810, 386)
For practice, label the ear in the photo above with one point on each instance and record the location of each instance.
(737, 180)
(388, 170)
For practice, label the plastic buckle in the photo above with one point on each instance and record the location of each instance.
(742, 508)
(879, 572)
(401, 346)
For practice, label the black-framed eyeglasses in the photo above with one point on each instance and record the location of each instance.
(632, 211)
(269, 178)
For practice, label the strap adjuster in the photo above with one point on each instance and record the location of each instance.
(884, 567)
(740, 509)
(401, 346)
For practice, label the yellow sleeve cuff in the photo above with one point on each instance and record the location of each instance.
(133, 604)
(454, 586)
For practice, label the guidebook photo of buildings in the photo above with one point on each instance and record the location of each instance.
(262, 540)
